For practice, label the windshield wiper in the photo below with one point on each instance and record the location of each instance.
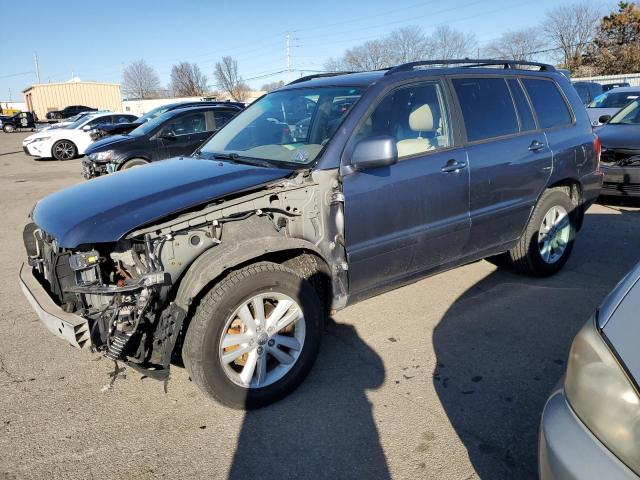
(234, 157)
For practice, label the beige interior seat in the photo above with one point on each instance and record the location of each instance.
(421, 119)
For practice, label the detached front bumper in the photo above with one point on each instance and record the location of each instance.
(73, 328)
(621, 181)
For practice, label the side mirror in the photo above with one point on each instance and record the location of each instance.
(604, 118)
(168, 135)
(86, 128)
(375, 152)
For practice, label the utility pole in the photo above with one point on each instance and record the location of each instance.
(288, 57)
(10, 99)
(35, 60)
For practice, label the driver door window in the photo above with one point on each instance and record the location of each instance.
(415, 116)
(187, 125)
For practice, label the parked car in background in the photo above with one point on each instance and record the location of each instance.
(122, 128)
(19, 121)
(620, 161)
(587, 91)
(608, 86)
(172, 134)
(69, 112)
(67, 143)
(610, 102)
(590, 426)
(244, 247)
(68, 121)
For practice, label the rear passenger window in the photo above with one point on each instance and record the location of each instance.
(487, 107)
(522, 106)
(548, 103)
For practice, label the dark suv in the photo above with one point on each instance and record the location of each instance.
(325, 192)
(174, 133)
(69, 111)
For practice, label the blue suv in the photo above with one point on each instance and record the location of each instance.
(327, 191)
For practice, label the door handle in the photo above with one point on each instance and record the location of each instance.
(536, 145)
(453, 166)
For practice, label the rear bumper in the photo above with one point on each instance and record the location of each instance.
(73, 328)
(568, 450)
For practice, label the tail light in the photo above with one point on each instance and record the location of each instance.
(597, 147)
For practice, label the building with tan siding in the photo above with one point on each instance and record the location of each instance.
(45, 97)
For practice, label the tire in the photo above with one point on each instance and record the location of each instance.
(64, 150)
(532, 255)
(203, 350)
(8, 128)
(134, 162)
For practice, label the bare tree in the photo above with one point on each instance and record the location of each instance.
(139, 80)
(187, 80)
(516, 45)
(229, 80)
(407, 44)
(447, 43)
(269, 87)
(371, 55)
(571, 29)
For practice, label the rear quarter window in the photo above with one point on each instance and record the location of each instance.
(548, 103)
(487, 107)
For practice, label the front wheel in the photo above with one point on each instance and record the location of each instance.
(64, 150)
(254, 336)
(8, 128)
(547, 242)
(134, 162)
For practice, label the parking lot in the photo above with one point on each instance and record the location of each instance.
(444, 378)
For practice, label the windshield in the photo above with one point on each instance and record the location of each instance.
(613, 99)
(151, 114)
(289, 126)
(149, 126)
(79, 122)
(629, 115)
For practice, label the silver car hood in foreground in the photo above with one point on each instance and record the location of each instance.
(619, 319)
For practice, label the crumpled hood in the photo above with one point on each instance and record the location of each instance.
(625, 137)
(107, 142)
(107, 208)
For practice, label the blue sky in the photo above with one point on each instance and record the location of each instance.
(93, 40)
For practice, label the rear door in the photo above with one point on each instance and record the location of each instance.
(510, 161)
(414, 215)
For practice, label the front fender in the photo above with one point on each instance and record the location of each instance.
(241, 242)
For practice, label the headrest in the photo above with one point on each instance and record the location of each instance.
(421, 118)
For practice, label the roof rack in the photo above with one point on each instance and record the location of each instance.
(317, 75)
(468, 63)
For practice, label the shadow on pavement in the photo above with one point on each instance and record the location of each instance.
(326, 429)
(503, 344)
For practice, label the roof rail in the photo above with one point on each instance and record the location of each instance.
(467, 63)
(317, 75)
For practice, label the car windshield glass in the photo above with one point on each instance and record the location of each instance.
(149, 126)
(613, 99)
(287, 126)
(81, 121)
(151, 114)
(629, 115)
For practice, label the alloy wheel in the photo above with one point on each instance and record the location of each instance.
(64, 150)
(553, 235)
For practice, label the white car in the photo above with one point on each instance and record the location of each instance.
(71, 141)
(68, 121)
(611, 102)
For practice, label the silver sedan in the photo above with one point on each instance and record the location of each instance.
(591, 423)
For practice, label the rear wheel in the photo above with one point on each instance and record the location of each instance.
(254, 336)
(8, 128)
(64, 150)
(546, 244)
(134, 162)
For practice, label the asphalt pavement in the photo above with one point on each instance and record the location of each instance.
(445, 378)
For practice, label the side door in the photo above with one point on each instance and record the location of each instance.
(181, 134)
(509, 158)
(413, 215)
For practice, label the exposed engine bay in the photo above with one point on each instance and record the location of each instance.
(620, 158)
(127, 290)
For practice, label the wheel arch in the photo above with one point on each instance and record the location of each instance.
(133, 157)
(573, 188)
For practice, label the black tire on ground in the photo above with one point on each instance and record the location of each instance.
(200, 351)
(134, 162)
(526, 256)
(8, 128)
(64, 150)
